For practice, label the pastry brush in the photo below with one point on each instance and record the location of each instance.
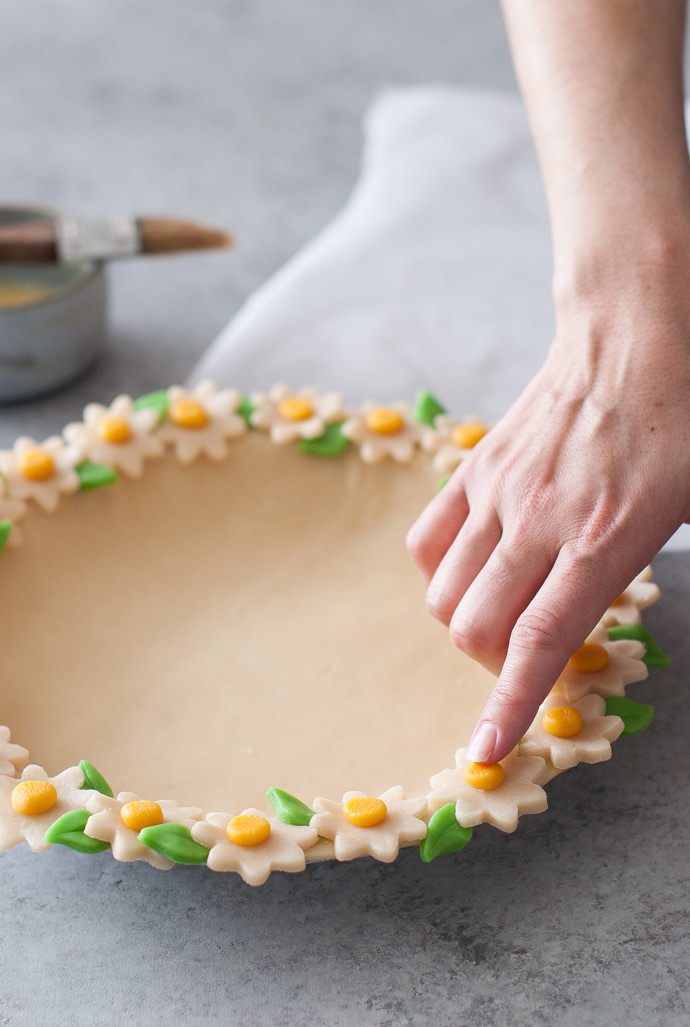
(64, 238)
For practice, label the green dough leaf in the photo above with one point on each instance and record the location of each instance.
(654, 656)
(442, 484)
(157, 401)
(92, 779)
(444, 834)
(174, 841)
(95, 476)
(246, 409)
(289, 809)
(427, 408)
(5, 529)
(635, 715)
(331, 443)
(69, 831)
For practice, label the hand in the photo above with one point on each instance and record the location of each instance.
(571, 494)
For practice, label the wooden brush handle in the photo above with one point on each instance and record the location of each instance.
(28, 242)
(167, 235)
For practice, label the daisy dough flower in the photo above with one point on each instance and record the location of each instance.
(508, 789)
(363, 825)
(12, 757)
(253, 844)
(30, 804)
(639, 594)
(384, 432)
(292, 415)
(120, 820)
(202, 421)
(568, 734)
(451, 441)
(12, 510)
(40, 471)
(602, 667)
(118, 436)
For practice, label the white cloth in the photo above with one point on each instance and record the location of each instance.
(435, 275)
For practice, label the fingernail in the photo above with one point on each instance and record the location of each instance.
(482, 743)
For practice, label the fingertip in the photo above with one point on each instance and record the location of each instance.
(491, 742)
(511, 708)
(483, 743)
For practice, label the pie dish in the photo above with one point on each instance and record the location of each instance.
(210, 604)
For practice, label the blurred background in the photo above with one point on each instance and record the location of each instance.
(242, 114)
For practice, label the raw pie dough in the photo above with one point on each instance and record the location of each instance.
(244, 616)
(209, 631)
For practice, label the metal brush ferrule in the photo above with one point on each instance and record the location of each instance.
(96, 239)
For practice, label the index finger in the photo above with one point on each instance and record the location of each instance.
(564, 611)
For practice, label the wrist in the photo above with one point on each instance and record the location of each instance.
(620, 242)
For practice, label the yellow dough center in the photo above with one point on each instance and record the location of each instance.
(384, 421)
(114, 430)
(562, 722)
(188, 413)
(295, 409)
(248, 829)
(37, 464)
(589, 658)
(485, 776)
(466, 436)
(33, 797)
(365, 812)
(141, 813)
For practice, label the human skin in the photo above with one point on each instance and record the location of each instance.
(578, 486)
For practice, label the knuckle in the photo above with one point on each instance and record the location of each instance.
(465, 634)
(470, 635)
(537, 631)
(582, 566)
(536, 514)
(507, 702)
(595, 524)
(508, 563)
(596, 529)
(439, 605)
(417, 544)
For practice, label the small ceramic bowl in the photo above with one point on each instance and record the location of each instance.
(52, 320)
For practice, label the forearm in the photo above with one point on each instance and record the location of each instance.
(586, 476)
(602, 81)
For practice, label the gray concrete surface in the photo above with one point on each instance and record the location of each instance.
(579, 918)
(247, 114)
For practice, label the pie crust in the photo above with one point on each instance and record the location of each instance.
(210, 599)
